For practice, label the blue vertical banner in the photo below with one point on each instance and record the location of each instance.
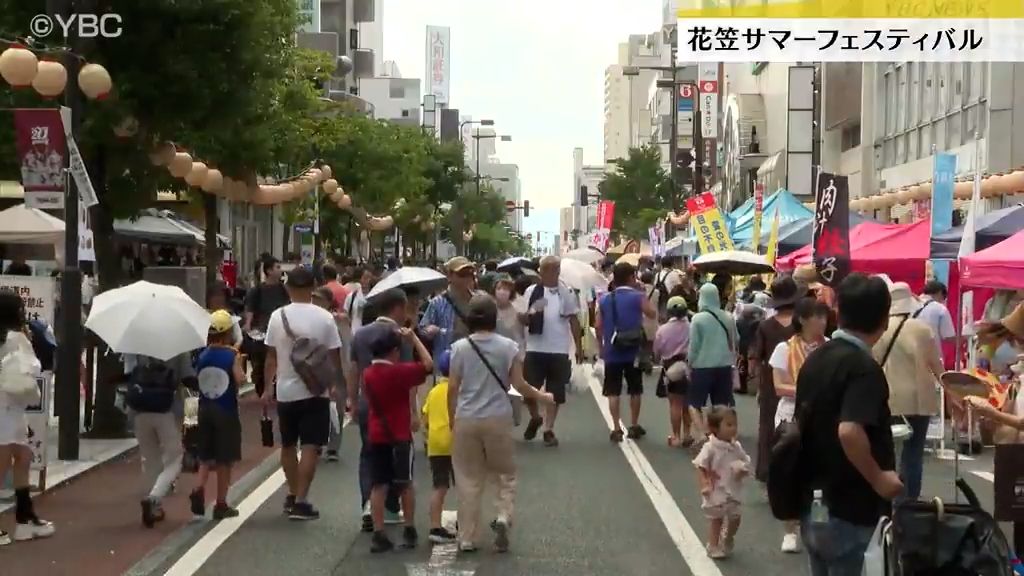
(942, 206)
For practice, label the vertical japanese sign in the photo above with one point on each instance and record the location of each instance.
(708, 223)
(831, 236)
(439, 62)
(942, 206)
(41, 153)
(758, 213)
(603, 225)
(707, 84)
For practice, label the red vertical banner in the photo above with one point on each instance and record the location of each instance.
(41, 149)
(603, 225)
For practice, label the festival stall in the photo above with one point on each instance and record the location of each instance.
(741, 220)
(797, 234)
(36, 234)
(991, 229)
(1000, 266)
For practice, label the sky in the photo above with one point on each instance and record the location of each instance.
(535, 67)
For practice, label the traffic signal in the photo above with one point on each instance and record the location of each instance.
(526, 208)
(584, 196)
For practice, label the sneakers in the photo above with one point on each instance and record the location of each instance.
(33, 529)
(367, 518)
(532, 427)
(549, 439)
(5, 539)
(148, 513)
(500, 528)
(380, 543)
(304, 511)
(196, 502)
(410, 537)
(716, 552)
(393, 518)
(441, 536)
(467, 547)
(222, 511)
(790, 544)
(636, 432)
(289, 503)
(332, 456)
(615, 436)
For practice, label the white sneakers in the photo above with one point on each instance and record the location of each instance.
(791, 544)
(35, 529)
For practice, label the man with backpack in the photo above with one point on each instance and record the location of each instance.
(665, 282)
(155, 404)
(303, 365)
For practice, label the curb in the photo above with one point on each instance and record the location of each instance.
(158, 560)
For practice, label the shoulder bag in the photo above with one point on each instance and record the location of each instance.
(312, 361)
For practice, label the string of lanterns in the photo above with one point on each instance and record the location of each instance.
(22, 68)
(991, 186)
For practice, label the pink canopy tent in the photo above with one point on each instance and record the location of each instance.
(1000, 266)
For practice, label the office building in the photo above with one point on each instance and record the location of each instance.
(627, 116)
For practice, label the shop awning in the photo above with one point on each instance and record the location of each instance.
(162, 227)
(1000, 266)
(991, 229)
(22, 225)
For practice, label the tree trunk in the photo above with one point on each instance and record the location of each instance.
(108, 420)
(213, 253)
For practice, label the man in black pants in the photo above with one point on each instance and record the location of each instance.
(260, 303)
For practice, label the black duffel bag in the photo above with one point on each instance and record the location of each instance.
(941, 539)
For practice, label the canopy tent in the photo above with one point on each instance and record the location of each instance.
(22, 225)
(1000, 266)
(797, 234)
(990, 229)
(897, 250)
(162, 227)
(222, 241)
(783, 201)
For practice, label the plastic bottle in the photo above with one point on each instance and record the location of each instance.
(819, 512)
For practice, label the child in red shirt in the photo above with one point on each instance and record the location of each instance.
(387, 385)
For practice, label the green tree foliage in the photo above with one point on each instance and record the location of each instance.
(641, 190)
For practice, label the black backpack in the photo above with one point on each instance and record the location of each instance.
(151, 387)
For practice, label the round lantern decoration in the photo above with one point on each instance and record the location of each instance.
(887, 200)
(468, 236)
(992, 186)
(963, 190)
(326, 172)
(388, 222)
(181, 165)
(213, 182)
(1014, 183)
(18, 66)
(51, 78)
(904, 195)
(127, 128)
(345, 203)
(94, 81)
(330, 186)
(920, 193)
(1004, 185)
(166, 153)
(316, 174)
(856, 204)
(197, 174)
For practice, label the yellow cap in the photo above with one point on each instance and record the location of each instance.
(221, 322)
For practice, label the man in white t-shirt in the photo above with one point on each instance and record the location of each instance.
(935, 314)
(304, 419)
(552, 330)
(355, 303)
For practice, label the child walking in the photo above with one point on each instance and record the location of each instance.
(218, 371)
(387, 383)
(722, 464)
(439, 449)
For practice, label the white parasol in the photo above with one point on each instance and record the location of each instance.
(581, 276)
(588, 255)
(422, 279)
(735, 262)
(150, 320)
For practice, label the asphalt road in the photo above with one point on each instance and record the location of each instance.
(585, 508)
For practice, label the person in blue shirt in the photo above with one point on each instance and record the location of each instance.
(218, 372)
(620, 314)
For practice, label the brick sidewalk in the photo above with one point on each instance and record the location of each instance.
(97, 515)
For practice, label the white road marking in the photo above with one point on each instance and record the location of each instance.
(987, 476)
(679, 530)
(442, 556)
(193, 559)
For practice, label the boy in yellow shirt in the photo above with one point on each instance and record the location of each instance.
(439, 449)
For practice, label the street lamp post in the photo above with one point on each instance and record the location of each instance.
(458, 218)
(479, 137)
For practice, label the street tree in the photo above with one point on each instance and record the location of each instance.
(641, 190)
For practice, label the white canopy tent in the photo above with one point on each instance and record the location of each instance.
(21, 225)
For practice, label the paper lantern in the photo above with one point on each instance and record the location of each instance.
(887, 200)
(127, 128)
(196, 174)
(51, 78)
(18, 66)
(1004, 185)
(167, 151)
(181, 165)
(260, 196)
(315, 174)
(330, 186)
(327, 172)
(345, 203)
(856, 204)
(387, 222)
(427, 226)
(908, 195)
(468, 236)
(213, 182)
(963, 190)
(94, 81)
(227, 189)
(1014, 183)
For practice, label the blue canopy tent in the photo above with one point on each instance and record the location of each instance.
(790, 210)
(796, 235)
(991, 229)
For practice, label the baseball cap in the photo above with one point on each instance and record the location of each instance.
(676, 303)
(221, 322)
(458, 264)
(300, 277)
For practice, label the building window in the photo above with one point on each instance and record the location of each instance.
(901, 112)
(405, 114)
(850, 137)
(397, 91)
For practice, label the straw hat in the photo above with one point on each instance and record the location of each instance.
(1014, 322)
(903, 299)
(805, 275)
(1011, 327)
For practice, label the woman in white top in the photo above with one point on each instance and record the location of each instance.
(14, 432)
(810, 319)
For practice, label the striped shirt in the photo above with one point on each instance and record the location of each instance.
(441, 313)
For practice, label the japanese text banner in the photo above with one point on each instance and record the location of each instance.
(723, 39)
(708, 224)
(831, 237)
(41, 149)
(603, 225)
